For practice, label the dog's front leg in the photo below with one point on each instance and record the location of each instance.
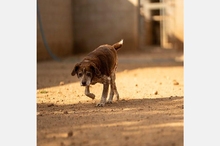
(87, 92)
(104, 94)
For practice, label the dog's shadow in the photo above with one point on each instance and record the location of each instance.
(152, 103)
(142, 102)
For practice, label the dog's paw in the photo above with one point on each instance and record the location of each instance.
(100, 104)
(90, 95)
(109, 102)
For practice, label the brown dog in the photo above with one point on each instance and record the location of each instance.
(99, 66)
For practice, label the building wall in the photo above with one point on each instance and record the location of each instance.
(178, 32)
(161, 23)
(174, 23)
(98, 22)
(57, 21)
(80, 26)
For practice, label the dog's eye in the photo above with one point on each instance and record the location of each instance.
(80, 74)
(88, 74)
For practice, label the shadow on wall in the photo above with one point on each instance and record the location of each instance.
(104, 22)
(74, 26)
(57, 23)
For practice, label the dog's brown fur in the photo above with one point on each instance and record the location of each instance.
(99, 66)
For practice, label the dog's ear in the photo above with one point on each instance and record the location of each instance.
(76, 67)
(95, 69)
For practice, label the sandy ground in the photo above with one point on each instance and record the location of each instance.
(149, 112)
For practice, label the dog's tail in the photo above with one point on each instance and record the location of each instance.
(118, 45)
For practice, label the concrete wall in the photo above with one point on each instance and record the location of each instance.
(57, 21)
(98, 22)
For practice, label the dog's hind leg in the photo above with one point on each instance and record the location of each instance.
(110, 99)
(116, 91)
(104, 94)
(87, 93)
(113, 89)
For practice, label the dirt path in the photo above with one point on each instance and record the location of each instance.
(65, 116)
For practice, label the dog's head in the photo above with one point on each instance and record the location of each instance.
(85, 72)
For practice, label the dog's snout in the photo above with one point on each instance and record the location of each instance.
(83, 83)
